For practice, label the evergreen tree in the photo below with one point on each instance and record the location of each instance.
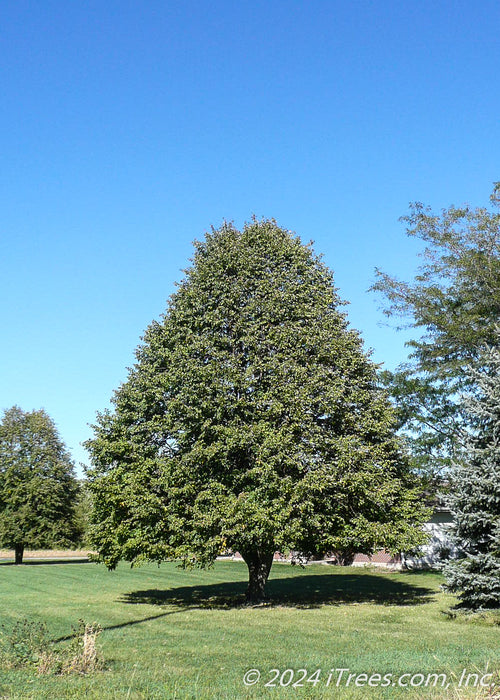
(38, 487)
(252, 420)
(475, 496)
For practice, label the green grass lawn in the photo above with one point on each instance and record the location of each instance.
(169, 633)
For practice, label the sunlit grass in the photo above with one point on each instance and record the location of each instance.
(169, 633)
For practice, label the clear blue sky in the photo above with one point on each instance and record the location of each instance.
(127, 129)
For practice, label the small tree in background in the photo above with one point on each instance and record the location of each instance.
(38, 487)
(475, 496)
(252, 420)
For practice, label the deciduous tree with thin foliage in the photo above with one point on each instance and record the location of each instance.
(452, 304)
(251, 421)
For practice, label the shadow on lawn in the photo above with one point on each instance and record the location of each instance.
(295, 591)
(47, 562)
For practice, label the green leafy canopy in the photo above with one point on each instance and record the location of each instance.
(38, 487)
(252, 419)
(453, 304)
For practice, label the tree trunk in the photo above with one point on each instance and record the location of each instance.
(345, 557)
(259, 565)
(19, 551)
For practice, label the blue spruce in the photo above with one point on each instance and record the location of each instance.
(475, 496)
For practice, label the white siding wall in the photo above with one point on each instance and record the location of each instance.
(439, 542)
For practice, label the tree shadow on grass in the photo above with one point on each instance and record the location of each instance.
(48, 562)
(120, 625)
(304, 591)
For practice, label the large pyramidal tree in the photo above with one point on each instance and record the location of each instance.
(251, 420)
(475, 495)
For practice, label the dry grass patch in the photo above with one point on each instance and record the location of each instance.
(46, 553)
